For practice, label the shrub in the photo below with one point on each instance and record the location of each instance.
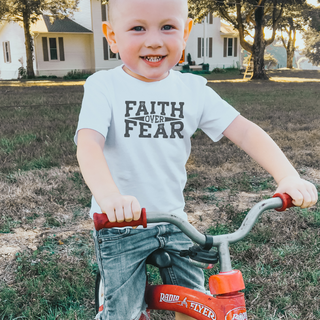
(219, 70)
(77, 74)
(205, 67)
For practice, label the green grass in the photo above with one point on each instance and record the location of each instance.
(279, 259)
(38, 137)
(49, 284)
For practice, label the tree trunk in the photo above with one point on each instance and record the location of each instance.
(291, 46)
(259, 45)
(28, 43)
(290, 55)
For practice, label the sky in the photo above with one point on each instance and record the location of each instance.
(313, 2)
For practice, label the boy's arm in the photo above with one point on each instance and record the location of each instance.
(258, 144)
(97, 176)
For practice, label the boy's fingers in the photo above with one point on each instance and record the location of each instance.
(127, 212)
(136, 209)
(119, 214)
(111, 215)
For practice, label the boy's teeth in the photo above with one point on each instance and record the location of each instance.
(153, 59)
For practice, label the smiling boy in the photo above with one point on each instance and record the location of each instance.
(133, 140)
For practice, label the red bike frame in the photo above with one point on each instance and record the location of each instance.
(226, 302)
(229, 305)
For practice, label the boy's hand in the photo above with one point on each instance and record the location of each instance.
(120, 208)
(303, 193)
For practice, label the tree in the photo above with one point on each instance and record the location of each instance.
(312, 46)
(312, 36)
(290, 23)
(26, 12)
(245, 16)
(296, 18)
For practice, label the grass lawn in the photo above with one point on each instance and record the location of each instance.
(47, 262)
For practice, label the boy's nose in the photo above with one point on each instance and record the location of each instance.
(153, 40)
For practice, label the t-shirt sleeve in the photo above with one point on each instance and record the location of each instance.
(95, 111)
(217, 115)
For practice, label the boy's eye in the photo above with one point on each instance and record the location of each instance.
(167, 27)
(138, 28)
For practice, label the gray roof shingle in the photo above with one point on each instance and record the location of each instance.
(64, 25)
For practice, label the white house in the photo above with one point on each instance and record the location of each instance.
(215, 43)
(79, 44)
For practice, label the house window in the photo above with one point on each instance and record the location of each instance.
(202, 47)
(6, 52)
(53, 49)
(230, 47)
(107, 53)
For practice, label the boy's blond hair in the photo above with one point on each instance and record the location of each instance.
(110, 5)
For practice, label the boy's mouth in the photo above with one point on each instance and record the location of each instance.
(153, 58)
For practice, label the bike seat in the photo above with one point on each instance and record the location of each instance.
(160, 259)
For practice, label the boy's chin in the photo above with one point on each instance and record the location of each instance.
(148, 75)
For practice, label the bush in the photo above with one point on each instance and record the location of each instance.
(185, 67)
(189, 59)
(205, 67)
(22, 73)
(219, 70)
(270, 61)
(77, 74)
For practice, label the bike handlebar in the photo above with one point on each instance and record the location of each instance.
(280, 202)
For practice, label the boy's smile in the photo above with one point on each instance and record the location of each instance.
(150, 35)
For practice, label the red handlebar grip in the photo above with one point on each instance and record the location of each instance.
(101, 221)
(286, 201)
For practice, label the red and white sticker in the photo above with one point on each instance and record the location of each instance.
(193, 305)
(237, 314)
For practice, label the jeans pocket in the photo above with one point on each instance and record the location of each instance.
(112, 234)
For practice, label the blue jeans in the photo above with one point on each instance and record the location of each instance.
(121, 256)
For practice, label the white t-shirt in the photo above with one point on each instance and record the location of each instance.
(148, 126)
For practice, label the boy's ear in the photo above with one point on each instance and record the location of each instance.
(187, 30)
(110, 36)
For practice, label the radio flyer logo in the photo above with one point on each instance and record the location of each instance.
(160, 119)
(196, 306)
(237, 314)
(169, 298)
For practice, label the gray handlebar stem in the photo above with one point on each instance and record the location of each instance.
(219, 241)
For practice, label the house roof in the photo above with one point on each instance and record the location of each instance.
(43, 25)
(227, 29)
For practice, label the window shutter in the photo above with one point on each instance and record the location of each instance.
(103, 12)
(105, 49)
(199, 47)
(235, 47)
(210, 18)
(9, 51)
(4, 51)
(210, 47)
(45, 49)
(61, 49)
(225, 46)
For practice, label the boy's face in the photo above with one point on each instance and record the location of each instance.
(149, 35)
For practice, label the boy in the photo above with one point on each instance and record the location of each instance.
(133, 142)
